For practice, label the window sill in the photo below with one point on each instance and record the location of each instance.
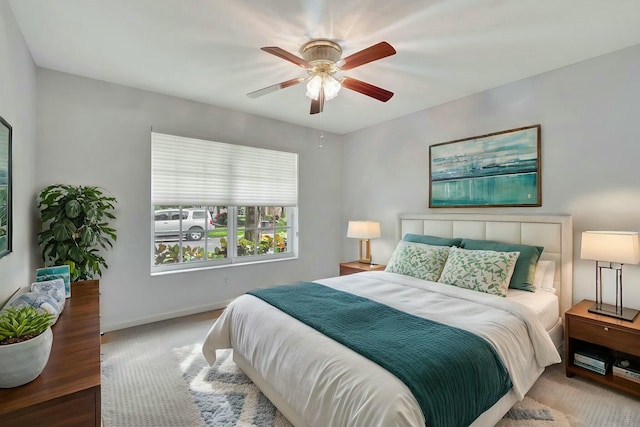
(215, 267)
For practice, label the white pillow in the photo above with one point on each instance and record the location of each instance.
(418, 260)
(545, 275)
(479, 270)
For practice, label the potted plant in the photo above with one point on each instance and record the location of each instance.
(25, 344)
(75, 225)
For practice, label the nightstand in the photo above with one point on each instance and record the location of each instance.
(615, 334)
(358, 267)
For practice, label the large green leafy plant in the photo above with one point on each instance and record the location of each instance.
(75, 226)
(22, 324)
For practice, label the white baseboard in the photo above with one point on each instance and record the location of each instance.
(110, 327)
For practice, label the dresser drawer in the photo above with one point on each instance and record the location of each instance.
(74, 410)
(605, 335)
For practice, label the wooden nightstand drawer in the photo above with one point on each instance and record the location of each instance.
(605, 335)
(357, 267)
(348, 270)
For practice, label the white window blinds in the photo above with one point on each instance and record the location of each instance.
(187, 171)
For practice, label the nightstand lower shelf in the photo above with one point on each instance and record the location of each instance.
(608, 380)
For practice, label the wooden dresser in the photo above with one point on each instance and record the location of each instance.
(67, 392)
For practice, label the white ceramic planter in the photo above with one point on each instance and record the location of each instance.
(22, 362)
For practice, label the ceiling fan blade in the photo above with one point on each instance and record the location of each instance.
(317, 105)
(281, 53)
(367, 89)
(372, 53)
(273, 88)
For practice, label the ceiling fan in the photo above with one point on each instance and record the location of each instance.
(321, 59)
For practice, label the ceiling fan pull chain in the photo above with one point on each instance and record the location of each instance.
(321, 144)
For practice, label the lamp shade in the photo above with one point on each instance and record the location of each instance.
(363, 229)
(611, 246)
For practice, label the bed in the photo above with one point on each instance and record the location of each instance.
(319, 381)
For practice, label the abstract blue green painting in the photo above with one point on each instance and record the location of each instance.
(497, 169)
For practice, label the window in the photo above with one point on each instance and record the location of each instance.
(217, 204)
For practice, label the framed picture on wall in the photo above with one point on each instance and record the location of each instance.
(5, 187)
(493, 170)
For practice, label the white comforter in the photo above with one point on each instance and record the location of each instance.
(330, 385)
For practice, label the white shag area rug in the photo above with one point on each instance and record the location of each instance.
(531, 413)
(155, 376)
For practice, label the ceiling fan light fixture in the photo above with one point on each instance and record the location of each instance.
(314, 86)
(331, 87)
(323, 81)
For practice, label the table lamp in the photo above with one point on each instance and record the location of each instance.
(364, 230)
(611, 249)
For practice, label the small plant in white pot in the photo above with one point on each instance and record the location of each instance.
(25, 344)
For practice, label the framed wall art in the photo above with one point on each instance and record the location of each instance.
(493, 170)
(5, 187)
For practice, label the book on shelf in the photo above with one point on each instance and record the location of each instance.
(627, 369)
(601, 371)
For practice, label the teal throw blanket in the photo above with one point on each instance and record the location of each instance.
(453, 374)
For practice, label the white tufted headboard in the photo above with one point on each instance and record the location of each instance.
(553, 232)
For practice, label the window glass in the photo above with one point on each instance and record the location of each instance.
(199, 214)
(189, 237)
(262, 230)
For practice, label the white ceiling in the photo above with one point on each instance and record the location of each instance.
(209, 50)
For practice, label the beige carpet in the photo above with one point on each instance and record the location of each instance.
(148, 372)
(585, 400)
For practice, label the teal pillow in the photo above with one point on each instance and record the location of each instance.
(525, 269)
(431, 240)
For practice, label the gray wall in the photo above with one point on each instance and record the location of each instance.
(97, 133)
(589, 114)
(18, 107)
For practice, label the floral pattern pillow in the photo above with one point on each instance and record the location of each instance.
(418, 260)
(484, 271)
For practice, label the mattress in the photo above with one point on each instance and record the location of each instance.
(543, 303)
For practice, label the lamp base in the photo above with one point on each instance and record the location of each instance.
(628, 314)
(364, 252)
